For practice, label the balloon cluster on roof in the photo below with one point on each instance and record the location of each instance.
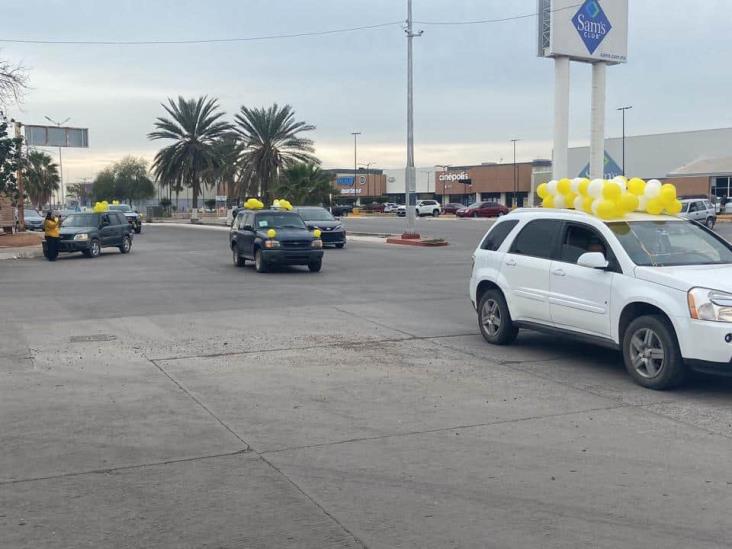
(610, 198)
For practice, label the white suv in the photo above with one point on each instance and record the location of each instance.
(657, 288)
(428, 207)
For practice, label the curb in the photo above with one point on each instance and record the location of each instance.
(417, 242)
(30, 252)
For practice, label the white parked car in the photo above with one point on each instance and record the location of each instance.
(699, 210)
(390, 207)
(657, 288)
(424, 207)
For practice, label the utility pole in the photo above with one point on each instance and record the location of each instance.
(623, 109)
(19, 178)
(60, 160)
(515, 179)
(411, 176)
(355, 163)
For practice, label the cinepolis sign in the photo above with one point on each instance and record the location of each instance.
(450, 177)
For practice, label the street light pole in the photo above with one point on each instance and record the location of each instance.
(622, 110)
(355, 163)
(515, 179)
(60, 160)
(410, 175)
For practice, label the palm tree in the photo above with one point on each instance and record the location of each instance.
(225, 176)
(305, 184)
(194, 126)
(271, 138)
(42, 177)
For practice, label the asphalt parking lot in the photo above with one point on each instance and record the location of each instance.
(169, 399)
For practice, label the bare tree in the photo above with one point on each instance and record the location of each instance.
(13, 82)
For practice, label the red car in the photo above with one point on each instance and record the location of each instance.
(483, 209)
(452, 208)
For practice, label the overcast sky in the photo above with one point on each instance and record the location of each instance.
(476, 87)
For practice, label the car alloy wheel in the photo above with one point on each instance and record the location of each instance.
(647, 354)
(126, 245)
(94, 249)
(710, 222)
(491, 317)
(260, 265)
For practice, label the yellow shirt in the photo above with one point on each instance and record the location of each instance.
(51, 227)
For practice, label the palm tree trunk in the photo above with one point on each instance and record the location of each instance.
(196, 191)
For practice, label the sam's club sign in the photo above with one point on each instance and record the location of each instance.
(592, 24)
(610, 169)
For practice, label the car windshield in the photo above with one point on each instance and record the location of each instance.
(315, 214)
(279, 220)
(81, 220)
(31, 213)
(120, 208)
(475, 205)
(670, 243)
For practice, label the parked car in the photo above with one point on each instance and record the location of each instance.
(333, 232)
(700, 210)
(133, 216)
(390, 207)
(428, 207)
(656, 288)
(452, 208)
(373, 207)
(341, 210)
(33, 220)
(89, 233)
(483, 209)
(289, 243)
(401, 210)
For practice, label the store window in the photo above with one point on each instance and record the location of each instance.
(490, 197)
(721, 187)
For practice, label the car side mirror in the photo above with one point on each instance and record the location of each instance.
(247, 228)
(593, 260)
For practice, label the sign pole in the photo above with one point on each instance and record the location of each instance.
(410, 175)
(560, 160)
(21, 186)
(597, 121)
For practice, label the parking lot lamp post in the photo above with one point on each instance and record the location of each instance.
(515, 179)
(355, 163)
(622, 110)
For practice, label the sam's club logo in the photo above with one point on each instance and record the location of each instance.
(592, 24)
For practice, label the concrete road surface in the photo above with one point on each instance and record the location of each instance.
(169, 399)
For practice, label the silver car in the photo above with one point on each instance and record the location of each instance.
(700, 210)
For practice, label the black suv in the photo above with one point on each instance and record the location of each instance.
(274, 237)
(88, 233)
(333, 233)
(133, 216)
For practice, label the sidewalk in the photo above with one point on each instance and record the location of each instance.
(21, 246)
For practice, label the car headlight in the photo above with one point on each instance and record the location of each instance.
(706, 304)
(81, 236)
(317, 243)
(271, 244)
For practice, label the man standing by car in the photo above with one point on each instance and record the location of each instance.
(51, 228)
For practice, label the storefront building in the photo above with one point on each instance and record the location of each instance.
(361, 187)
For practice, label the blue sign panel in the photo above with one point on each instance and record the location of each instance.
(345, 181)
(592, 24)
(611, 168)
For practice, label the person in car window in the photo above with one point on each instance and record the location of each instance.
(51, 229)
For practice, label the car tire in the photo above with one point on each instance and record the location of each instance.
(710, 222)
(435, 213)
(260, 265)
(94, 250)
(647, 340)
(494, 319)
(315, 266)
(340, 246)
(126, 246)
(474, 215)
(239, 261)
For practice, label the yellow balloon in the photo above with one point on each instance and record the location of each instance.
(317, 233)
(564, 186)
(654, 206)
(587, 204)
(271, 233)
(628, 202)
(637, 186)
(610, 191)
(668, 194)
(583, 186)
(548, 202)
(606, 209)
(569, 199)
(542, 190)
(674, 208)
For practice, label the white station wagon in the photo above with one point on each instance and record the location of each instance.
(657, 288)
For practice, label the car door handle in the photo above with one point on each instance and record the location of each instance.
(511, 262)
(559, 272)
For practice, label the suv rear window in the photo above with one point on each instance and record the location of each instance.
(537, 238)
(497, 235)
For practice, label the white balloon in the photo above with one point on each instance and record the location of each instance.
(578, 203)
(595, 204)
(559, 201)
(552, 186)
(621, 182)
(595, 188)
(642, 204)
(575, 184)
(653, 189)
